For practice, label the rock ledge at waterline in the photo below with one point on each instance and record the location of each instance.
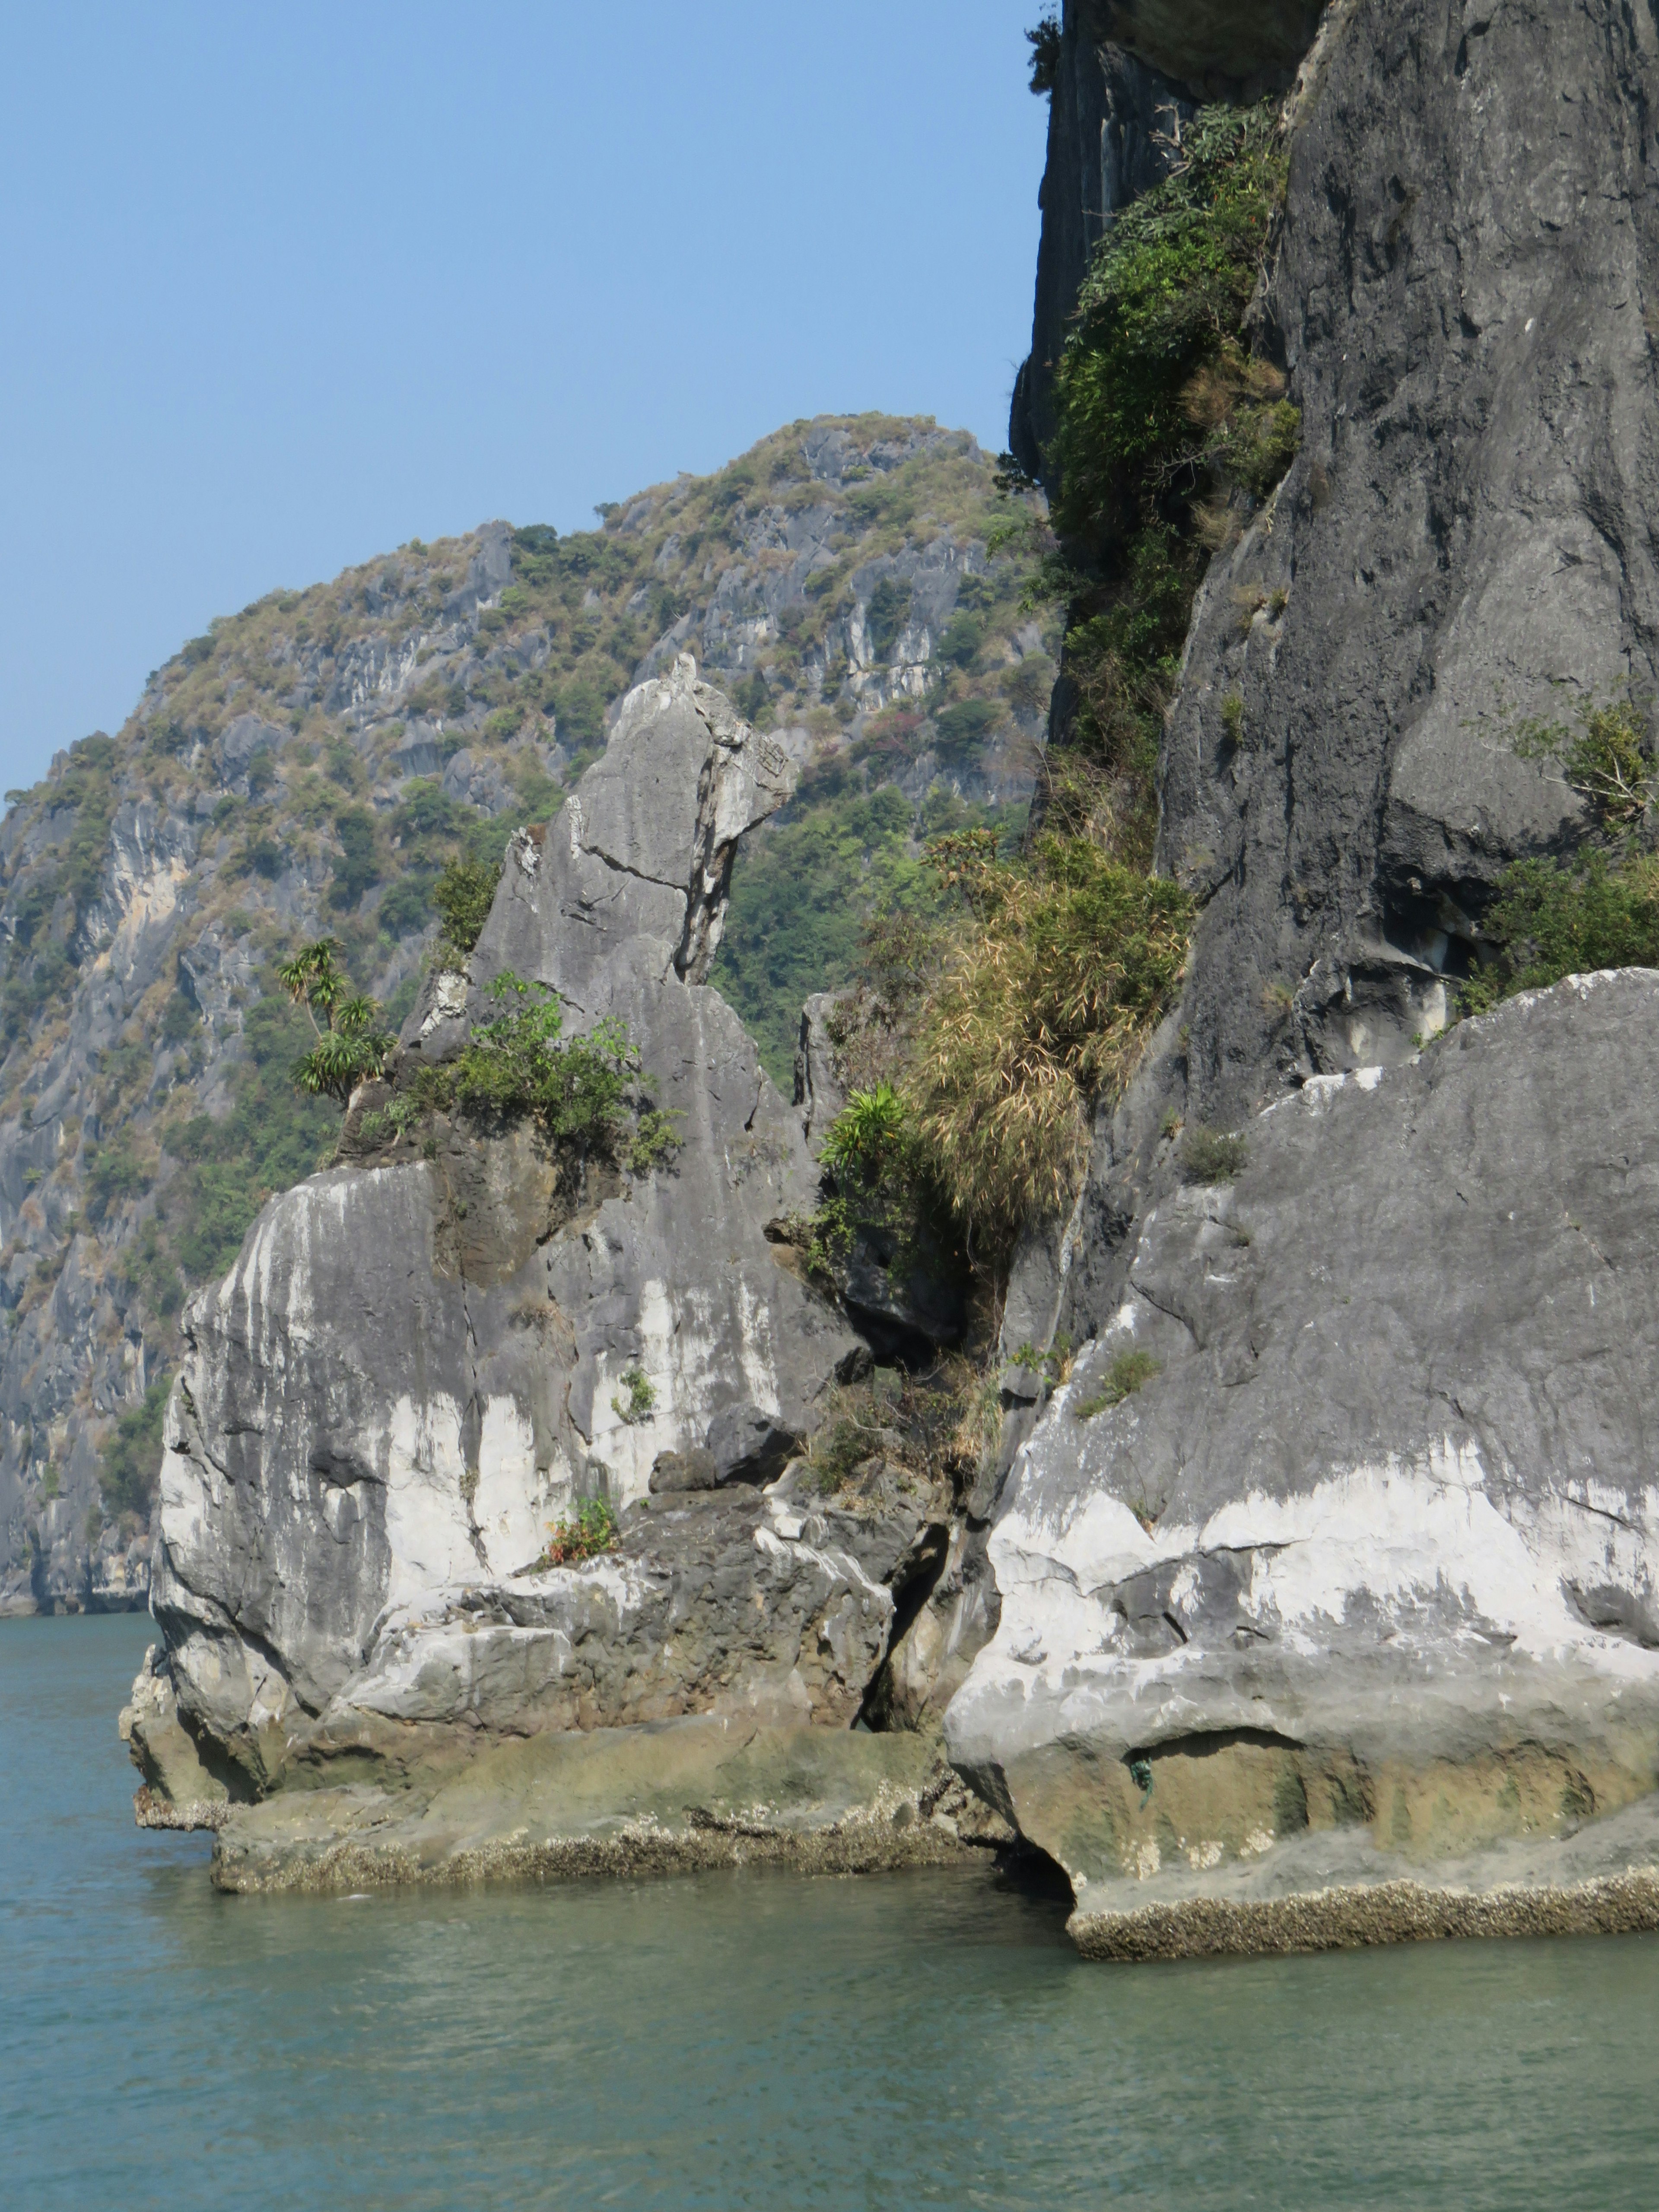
(1361, 1585)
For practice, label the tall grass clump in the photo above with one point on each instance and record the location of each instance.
(1059, 970)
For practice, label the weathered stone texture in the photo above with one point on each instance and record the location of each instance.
(1458, 299)
(414, 1368)
(1376, 1548)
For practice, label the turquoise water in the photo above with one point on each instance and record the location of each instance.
(740, 2039)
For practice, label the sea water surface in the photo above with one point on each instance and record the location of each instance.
(737, 2040)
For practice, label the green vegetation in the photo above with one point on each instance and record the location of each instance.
(1031, 982)
(132, 1458)
(350, 1046)
(1044, 42)
(638, 1397)
(1169, 432)
(1128, 1371)
(1598, 908)
(326, 814)
(463, 895)
(1210, 1155)
(588, 1533)
(1555, 918)
(1604, 759)
(867, 1135)
(1055, 1365)
(586, 1091)
(1054, 976)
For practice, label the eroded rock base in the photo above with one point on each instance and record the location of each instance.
(1326, 1893)
(670, 1797)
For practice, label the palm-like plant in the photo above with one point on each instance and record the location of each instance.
(350, 1046)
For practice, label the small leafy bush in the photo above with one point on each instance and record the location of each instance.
(582, 1090)
(1044, 42)
(1125, 1374)
(1555, 918)
(1210, 1155)
(868, 1134)
(638, 1399)
(590, 1531)
(1055, 1364)
(1604, 759)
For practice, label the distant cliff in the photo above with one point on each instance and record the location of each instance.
(310, 764)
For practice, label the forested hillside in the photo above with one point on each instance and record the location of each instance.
(311, 764)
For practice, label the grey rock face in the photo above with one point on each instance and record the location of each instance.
(210, 856)
(1362, 1574)
(1456, 298)
(414, 1368)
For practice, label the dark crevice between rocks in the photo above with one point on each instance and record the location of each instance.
(927, 1560)
(1205, 1743)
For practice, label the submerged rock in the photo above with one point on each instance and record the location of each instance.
(1336, 1561)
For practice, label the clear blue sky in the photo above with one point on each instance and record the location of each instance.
(285, 285)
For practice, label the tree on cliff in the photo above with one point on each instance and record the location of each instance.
(350, 1044)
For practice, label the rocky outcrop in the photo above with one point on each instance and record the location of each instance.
(1461, 543)
(1328, 1577)
(1336, 1561)
(306, 766)
(415, 1367)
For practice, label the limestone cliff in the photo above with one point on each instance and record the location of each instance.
(1331, 1572)
(422, 1360)
(310, 764)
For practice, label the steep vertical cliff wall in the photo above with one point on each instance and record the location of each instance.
(1329, 1578)
(1461, 297)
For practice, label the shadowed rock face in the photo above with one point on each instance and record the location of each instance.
(414, 1368)
(1222, 49)
(1457, 297)
(1363, 1578)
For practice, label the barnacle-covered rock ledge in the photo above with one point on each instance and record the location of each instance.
(424, 1358)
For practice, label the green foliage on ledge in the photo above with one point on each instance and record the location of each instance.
(1557, 918)
(584, 1091)
(1171, 431)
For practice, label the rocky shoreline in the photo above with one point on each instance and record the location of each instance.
(1297, 1585)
